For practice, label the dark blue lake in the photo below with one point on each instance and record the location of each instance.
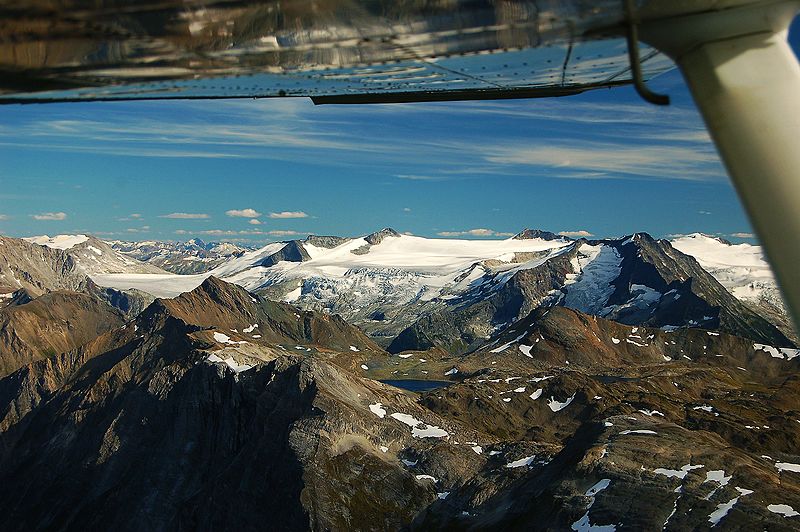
(416, 385)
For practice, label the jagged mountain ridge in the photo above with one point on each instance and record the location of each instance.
(466, 290)
(646, 282)
(94, 256)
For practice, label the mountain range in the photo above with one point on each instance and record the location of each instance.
(396, 382)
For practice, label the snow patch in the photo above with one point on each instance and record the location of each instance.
(557, 406)
(522, 462)
(677, 473)
(788, 466)
(777, 352)
(723, 509)
(418, 428)
(378, 410)
(783, 509)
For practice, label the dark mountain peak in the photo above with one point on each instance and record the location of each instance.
(640, 239)
(293, 251)
(530, 234)
(213, 285)
(213, 303)
(377, 237)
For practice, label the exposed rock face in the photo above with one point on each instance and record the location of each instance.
(656, 264)
(468, 320)
(377, 237)
(328, 242)
(37, 269)
(53, 323)
(538, 233)
(231, 308)
(293, 251)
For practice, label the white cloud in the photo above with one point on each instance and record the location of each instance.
(130, 217)
(243, 213)
(474, 232)
(138, 229)
(254, 221)
(181, 232)
(743, 235)
(576, 234)
(185, 216)
(283, 233)
(406, 209)
(288, 214)
(4, 217)
(50, 216)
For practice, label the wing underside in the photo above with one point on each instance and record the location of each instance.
(336, 51)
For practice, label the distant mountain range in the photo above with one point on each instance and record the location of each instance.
(192, 256)
(409, 292)
(397, 382)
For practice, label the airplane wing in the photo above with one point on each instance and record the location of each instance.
(334, 51)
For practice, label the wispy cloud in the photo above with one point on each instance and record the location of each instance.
(597, 160)
(243, 213)
(130, 217)
(743, 235)
(4, 217)
(482, 232)
(415, 177)
(254, 221)
(582, 233)
(50, 216)
(663, 143)
(185, 216)
(288, 214)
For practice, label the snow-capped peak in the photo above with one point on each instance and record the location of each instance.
(59, 241)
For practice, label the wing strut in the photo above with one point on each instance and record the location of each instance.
(632, 36)
(745, 80)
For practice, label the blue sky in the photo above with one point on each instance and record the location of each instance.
(603, 163)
